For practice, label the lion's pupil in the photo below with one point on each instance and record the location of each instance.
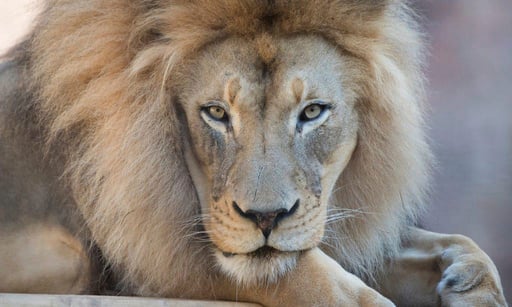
(217, 112)
(312, 111)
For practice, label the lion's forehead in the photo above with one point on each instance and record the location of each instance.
(304, 67)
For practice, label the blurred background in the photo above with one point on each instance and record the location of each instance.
(470, 97)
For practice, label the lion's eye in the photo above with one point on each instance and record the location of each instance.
(217, 113)
(311, 112)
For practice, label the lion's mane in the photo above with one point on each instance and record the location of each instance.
(102, 74)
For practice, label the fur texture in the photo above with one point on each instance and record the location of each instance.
(103, 75)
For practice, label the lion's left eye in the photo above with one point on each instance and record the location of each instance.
(312, 112)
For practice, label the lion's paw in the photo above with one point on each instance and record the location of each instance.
(470, 279)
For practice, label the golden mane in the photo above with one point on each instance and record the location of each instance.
(103, 72)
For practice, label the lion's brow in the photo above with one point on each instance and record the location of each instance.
(231, 90)
(298, 89)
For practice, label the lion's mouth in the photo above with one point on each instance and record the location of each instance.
(262, 252)
(263, 264)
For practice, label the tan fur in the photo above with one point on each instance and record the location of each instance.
(54, 256)
(105, 76)
(106, 96)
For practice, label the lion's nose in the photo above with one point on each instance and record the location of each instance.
(266, 221)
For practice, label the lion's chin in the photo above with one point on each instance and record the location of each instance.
(265, 265)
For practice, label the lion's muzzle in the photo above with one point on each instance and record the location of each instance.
(266, 221)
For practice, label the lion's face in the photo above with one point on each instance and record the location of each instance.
(267, 143)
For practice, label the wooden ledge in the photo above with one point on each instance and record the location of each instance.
(43, 300)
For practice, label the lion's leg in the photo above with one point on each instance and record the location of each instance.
(317, 280)
(439, 269)
(43, 259)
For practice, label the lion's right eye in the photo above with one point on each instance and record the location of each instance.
(217, 113)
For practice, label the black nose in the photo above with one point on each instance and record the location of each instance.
(266, 221)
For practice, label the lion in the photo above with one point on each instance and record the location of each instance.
(262, 151)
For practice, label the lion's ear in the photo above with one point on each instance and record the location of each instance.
(146, 30)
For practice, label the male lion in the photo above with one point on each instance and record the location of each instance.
(240, 150)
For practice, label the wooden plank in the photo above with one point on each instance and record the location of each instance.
(44, 300)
